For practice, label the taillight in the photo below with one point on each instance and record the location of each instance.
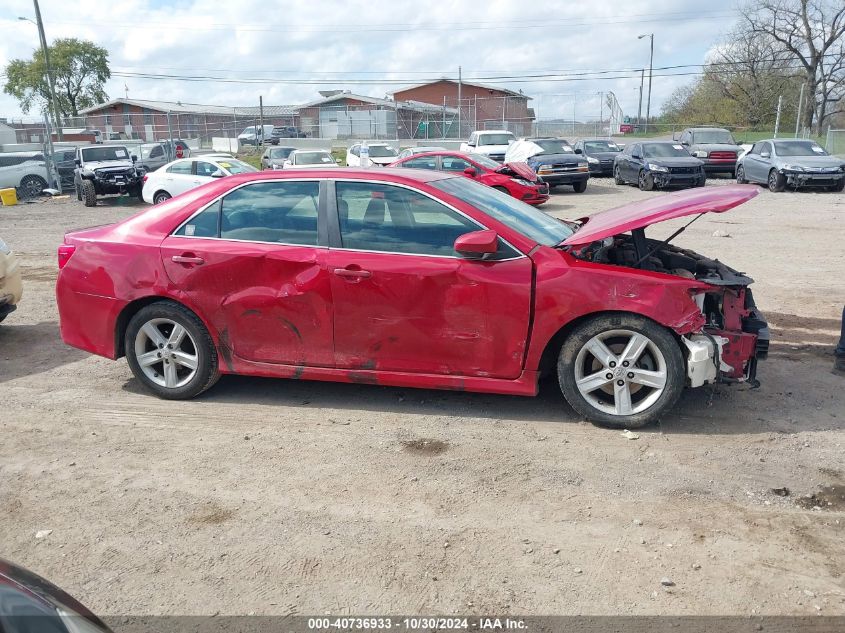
(65, 251)
(144, 179)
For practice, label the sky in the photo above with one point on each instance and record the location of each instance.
(287, 50)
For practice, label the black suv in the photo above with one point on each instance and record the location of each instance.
(103, 170)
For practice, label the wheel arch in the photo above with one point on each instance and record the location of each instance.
(548, 358)
(134, 306)
(158, 191)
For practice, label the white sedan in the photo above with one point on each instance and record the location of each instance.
(305, 158)
(187, 173)
(370, 154)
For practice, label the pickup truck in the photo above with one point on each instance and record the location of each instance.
(492, 143)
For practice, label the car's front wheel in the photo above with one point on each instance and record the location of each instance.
(777, 182)
(645, 181)
(89, 194)
(32, 186)
(621, 370)
(740, 175)
(579, 187)
(170, 351)
(617, 176)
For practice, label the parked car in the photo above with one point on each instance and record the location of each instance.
(32, 604)
(103, 170)
(714, 146)
(309, 158)
(553, 159)
(10, 281)
(188, 173)
(411, 278)
(492, 143)
(658, 164)
(64, 158)
(781, 163)
(370, 154)
(517, 180)
(255, 134)
(410, 151)
(24, 171)
(152, 156)
(600, 154)
(274, 157)
(285, 131)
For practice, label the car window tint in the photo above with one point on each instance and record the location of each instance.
(206, 169)
(426, 162)
(453, 163)
(180, 168)
(378, 217)
(284, 212)
(203, 224)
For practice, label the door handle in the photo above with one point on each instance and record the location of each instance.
(352, 273)
(187, 258)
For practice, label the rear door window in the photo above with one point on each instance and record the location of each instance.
(426, 162)
(183, 168)
(283, 212)
(453, 163)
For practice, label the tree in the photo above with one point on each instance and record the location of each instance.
(814, 32)
(80, 69)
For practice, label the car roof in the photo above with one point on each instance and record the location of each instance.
(494, 132)
(702, 129)
(394, 174)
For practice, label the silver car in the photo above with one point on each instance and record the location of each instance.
(795, 163)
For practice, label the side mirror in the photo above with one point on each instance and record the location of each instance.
(478, 244)
(134, 157)
(578, 150)
(470, 171)
(685, 143)
(77, 162)
(218, 174)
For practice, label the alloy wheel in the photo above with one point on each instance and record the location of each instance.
(620, 372)
(166, 353)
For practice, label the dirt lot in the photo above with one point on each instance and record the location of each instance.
(275, 497)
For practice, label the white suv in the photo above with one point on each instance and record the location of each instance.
(492, 143)
(375, 154)
(24, 171)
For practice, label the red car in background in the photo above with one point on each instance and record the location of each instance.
(411, 278)
(515, 179)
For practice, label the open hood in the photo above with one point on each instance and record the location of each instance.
(639, 215)
(518, 169)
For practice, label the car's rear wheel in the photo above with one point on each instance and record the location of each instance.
(170, 351)
(617, 176)
(621, 370)
(740, 175)
(579, 187)
(161, 196)
(645, 181)
(32, 186)
(777, 182)
(89, 194)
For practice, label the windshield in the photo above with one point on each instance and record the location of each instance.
(522, 218)
(280, 152)
(713, 136)
(799, 148)
(234, 166)
(553, 146)
(312, 158)
(485, 161)
(249, 130)
(600, 146)
(105, 153)
(381, 151)
(495, 139)
(663, 150)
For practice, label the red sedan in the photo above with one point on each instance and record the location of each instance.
(515, 179)
(410, 278)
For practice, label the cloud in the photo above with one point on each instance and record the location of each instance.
(387, 43)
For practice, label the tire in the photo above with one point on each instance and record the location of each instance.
(192, 365)
(161, 196)
(632, 404)
(579, 187)
(777, 182)
(77, 192)
(89, 194)
(617, 176)
(32, 186)
(740, 176)
(645, 181)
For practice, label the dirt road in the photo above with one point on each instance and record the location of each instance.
(275, 497)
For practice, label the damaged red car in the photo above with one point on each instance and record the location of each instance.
(411, 278)
(515, 179)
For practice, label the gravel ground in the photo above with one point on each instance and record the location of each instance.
(275, 497)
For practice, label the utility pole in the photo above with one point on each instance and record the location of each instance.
(171, 153)
(640, 108)
(54, 104)
(777, 117)
(798, 113)
(261, 117)
(650, 67)
(459, 101)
